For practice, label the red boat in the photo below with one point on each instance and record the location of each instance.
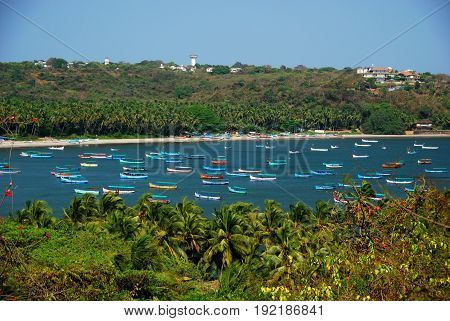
(424, 161)
(209, 176)
(218, 162)
(391, 165)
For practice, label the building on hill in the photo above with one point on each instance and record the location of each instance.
(209, 69)
(193, 60)
(235, 70)
(408, 75)
(424, 124)
(106, 61)
(387, 74)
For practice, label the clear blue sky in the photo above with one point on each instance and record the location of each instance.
(313, 33)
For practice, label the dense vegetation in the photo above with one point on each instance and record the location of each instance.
(121, 99)
(103, 250)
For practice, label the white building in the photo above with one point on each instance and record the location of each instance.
(106, 61)
(193, 60)
(209, 69)
(161, 66)
(235, 70)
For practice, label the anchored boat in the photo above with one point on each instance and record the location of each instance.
(133, 175)
(93, 191)
(360, 156)
(400, 181)
(424, 161)
(321, 172)
(119, 189)
(263, 177)
(437, 170)
(180, 169)
(237, 189)
(207, 196)
(163, 185)
(238, 174)
(302, 175)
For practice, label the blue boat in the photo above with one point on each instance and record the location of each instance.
(325, 187)
(237, 189)
(212, 168)
(368, 176)
(196, 156)
(302, 175)
(238, 174)
(116, 156)
(322, 173)
(383, 174)
(349, 185)
(133, 175)
(78, 180)
(173, 160)
(131, 161)
(215, 182)
(41, 155)
(437, 170)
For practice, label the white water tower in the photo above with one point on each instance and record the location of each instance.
(193, 60)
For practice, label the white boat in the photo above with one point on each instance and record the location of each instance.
(56, 148)
(179, 169)
(362, 145)
(262, 177)
(369, 141)
(294, 152)
(334, 165)
(207, 197)
(418, 145)
(400, 181)
(319, 149)
(334, 146)
(249, 171)
(430, 147)
(383, 147)
(88, 164)
(360, 156)
(120, 190)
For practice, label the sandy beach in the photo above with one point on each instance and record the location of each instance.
(49, 142)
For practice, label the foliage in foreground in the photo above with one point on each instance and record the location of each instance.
(396, 249)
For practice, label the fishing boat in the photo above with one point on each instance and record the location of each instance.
(41, 155)
(368, 176)
(277, 163)
(28, 153)
(430, 147)
(98, 156)
(383, 174)
(260, 146)
(171, 153)
(377, 197)
(369, 141)
(163, 185)
(159, 196)
(119, 189)
(9, 171)
(333, 165)
(238, 174)
(196, 156)
(211, 176)
(321, 172)
(207, 196)
(400, 181)
(319, 149)
(263, 177)
(173, 160)
(418, 145)
(88, 164)
(214, 168)
(114, 149)
(349, 185)
(334, 146)
(362, 145)
(424, 161)
(249, 171)
(216, 182)
(162, 201)
(302, 175)
(294, 152)
(67, 168)
(325, 187)
(67, 174)
(360, 156)
(133, 175)
(269, 147)
(219, 162)
(74, 180)
(131, 161)
(56, 148)
(411, 151)
(179, 169)
(133, 168)
(437, 170)
(383, 147)
(392, 165)
(93, 191)
(237, 189)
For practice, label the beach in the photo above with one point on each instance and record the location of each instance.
(49, 142)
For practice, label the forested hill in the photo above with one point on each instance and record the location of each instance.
(318, 91)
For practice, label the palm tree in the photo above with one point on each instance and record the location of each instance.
(123, 223)
(145, 253)
(110, 202)
(37, 212)
(272, 218)
(300, 213)
(82, 209)
(227, 241)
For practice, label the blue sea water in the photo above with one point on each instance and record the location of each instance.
(35, 182)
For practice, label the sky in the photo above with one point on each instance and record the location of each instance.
(347, 33)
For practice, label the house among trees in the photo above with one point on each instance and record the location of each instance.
(424, 124)
(387, 74)
(235, 70)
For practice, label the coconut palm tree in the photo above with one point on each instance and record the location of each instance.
(37, 212)
(109, 203)
(124, 223)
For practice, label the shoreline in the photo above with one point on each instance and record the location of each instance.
(121, 141)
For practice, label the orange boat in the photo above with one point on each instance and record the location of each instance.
(391, 165)
(424, 161)
(209, 176)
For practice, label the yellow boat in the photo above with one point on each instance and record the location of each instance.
(163, 185)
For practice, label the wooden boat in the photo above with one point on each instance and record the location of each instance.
(93, 191)
(360, 156)
(218, 162)
(424, 161)
(238, 174)
(131, 161)
(68, 175)
(207, 196)
(56, 148)
(173, 160)
(163, 201)
(430, 147)
(349, 185)
(98, 156)
(362, 145)
(216, 182)
(277, 163)
(75, 180)
(369, 141)
(133, 168)
(159, 196)
(391, 165)
(418, 145)
(237, 189)
(214, 168)
(41, 155)
(171, 153)
(363, 176)
(294, 152)
(400, 181)
(437, 170)
(383, 174)
(179, 169)
(319, 149)
(211, 176)
(325, 187)
(263, 177)
(28, 153)
(9, 171)
(88, 164)
(163, 185)
(302, 175)
(133, 175)
(334, 146)
(269, 147)
(333, 165)
(119, 189)
(196, 156)
(321, 172)
(249, 171)
(115, 156)
(411, 151)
